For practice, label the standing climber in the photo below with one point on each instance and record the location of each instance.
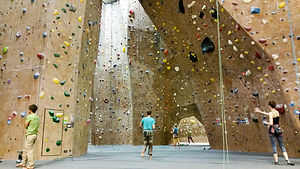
(148, 125)
(175, 136)
(274, 131)
(189, 134)
(32, 124)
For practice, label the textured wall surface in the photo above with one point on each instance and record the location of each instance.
(171, 76)
(199, 82)
(49, 62)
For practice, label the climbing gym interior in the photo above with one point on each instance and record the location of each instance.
(94, 68)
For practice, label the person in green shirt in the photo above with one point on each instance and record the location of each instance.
(32, 125)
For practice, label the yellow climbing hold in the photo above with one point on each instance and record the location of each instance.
(79, 18)
(246, 52)
(266, 75)
(55, 12)
(265, 83)
(281, 5)
(165, 61)
(193, 121)
(237, 40)
(261, 79)
(169, 67)
(42, 95)
(252, 62)
(229, 32)
(259, 68)
(298, 59)
(55, 80)
(273, 91)
(222, 10)
(164, 24)
(212, 79)
(124, 49)
(59, 115)
(67, 43)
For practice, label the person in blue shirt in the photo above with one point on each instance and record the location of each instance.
(148, 124)
(175, 136)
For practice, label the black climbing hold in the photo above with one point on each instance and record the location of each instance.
(214, 13)
(255, 94)
(207, 46)
(201, 15)
(255, 119)
(181, 7)
(193, 57)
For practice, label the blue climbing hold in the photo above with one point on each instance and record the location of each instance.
(255, 10)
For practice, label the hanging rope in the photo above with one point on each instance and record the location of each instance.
(224, 128)
(293, 48)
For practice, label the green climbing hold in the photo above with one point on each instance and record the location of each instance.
(66, 129)
(5, 49)
(58, 143)
(51, 113)
(67, 94)
(47, 150)
(55, 119)
(69, 64)
(64, 10)
(56, 55)
(66, 52)
(67, 5)
(62, 82)
(52, 98)
(73, 34)
(58, 17)
(55, 65)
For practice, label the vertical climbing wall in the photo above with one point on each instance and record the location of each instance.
(112, 90)
(47, 56)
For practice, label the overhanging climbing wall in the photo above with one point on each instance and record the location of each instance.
(47, 58)
(251, 76)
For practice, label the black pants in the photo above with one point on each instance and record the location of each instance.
(190, 138)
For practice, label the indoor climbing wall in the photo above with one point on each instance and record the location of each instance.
(112, 120)
(48, 53)
(252, 75)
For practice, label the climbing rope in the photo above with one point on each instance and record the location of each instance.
(293, 48)
(224, 128)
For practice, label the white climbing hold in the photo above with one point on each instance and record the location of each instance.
(191, 4)
(176, 69)
(235, 48)
(248, 73)
(277, 63)
(247, 1)
(252, 43)
(242, 56)
(275, 56)
(194, 16)
(264, 21)
(203, 7)
(285, 40)
(230, 42)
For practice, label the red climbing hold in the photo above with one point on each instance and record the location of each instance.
(40, 56)
(257, 55)
(271, 67)
(166, 52)
(262, 40)
(131, 12)
(248, 28)
(198, 35)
